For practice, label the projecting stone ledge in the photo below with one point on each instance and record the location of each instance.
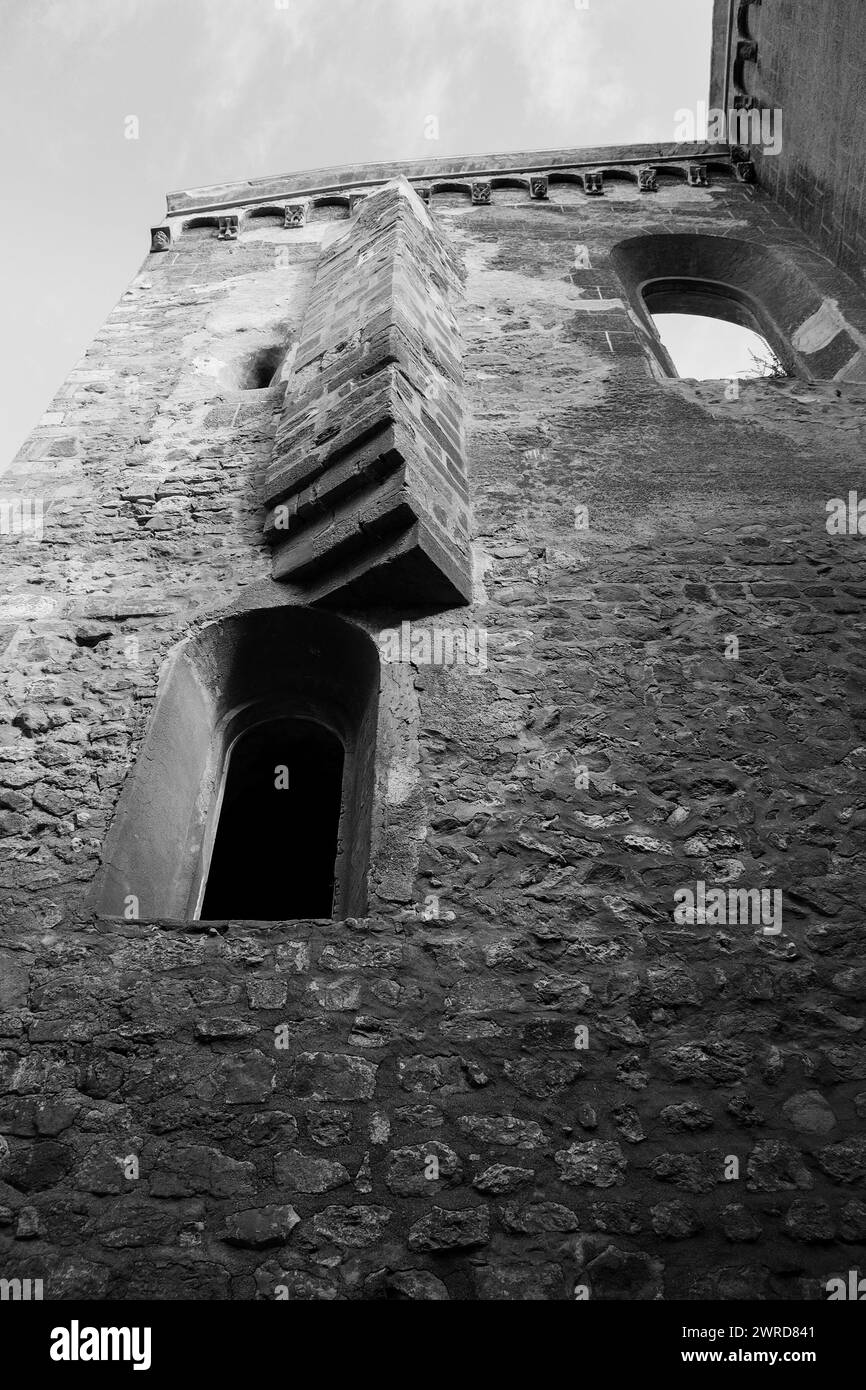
(366, 493)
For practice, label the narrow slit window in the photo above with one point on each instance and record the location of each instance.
(275, 848)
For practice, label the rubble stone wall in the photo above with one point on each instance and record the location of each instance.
(523, 1076)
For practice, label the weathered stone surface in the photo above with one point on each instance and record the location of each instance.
(336, 996)
(422, 1170)
(594, 1164)
(267, 993)
(293, 957)
(431, 1075)
(618, 1218)
(181, 1171)
(451, 1230)
(620, 1274)
(353, 1227)
(330, 1126)
(332, 1076)
(32, 1167)
(675, 1221)
(101, 1170)
(716, 1064)
(504, 1131)
(776, 1166)
(692, 1172)
(407, 1285)
(687, 1117)
(844, 1162)
(739, 1224)
(811, 1221)
(745, 1112)
(739, 1283)
(536, 1218)
(542, 1080)
(221, 1029)
(259, 1228)
(628, 1123)
(853, 1222)
(248, 1078)
(809, 1113)
(499, 1179)
(294, 1285)
(520, 1283)
(297, 1172)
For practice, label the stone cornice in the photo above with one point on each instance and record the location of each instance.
(314, 182)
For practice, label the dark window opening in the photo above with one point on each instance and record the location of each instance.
(200, 826)
(275, 849)
(258, 371)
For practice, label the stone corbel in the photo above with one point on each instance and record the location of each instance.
(482, 194)
(228, 227)
(160, 238)
(698, 176)
(647, 179)
(297, 213)
(593, 183)
(539, 186)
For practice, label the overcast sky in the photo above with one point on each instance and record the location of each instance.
(226, 89)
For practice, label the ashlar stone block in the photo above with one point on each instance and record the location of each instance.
(366, 492)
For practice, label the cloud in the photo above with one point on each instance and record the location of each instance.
(57, 25)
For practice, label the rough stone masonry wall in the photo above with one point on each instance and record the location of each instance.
(282, 1089)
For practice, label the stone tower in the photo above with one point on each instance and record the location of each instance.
(380, 479)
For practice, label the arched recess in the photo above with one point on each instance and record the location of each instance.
(275, 666)
(745, 71)
(618, 175)
(781, 292)
(561, 177)
(329, 207)
(200, 224)
(274, 213)
(671, 173)
(452, 186)
(749, 19)
(566, 188)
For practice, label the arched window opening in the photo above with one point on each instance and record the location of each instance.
(708, 349)
(252, 795)
(776, 291)
(275, 849)
(708, 333)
